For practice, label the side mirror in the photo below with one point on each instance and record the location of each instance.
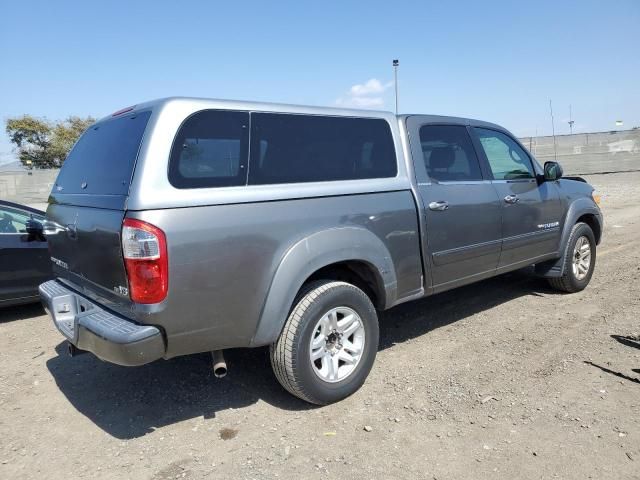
(34, 229)
(552, 171)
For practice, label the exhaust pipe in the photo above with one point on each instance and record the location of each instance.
(74, 351)
(219, 364)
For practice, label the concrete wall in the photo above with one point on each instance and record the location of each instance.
(28, 187)
(587, 153)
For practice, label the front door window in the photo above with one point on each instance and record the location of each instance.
(13, 220)
(507, 160)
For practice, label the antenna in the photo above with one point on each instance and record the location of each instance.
(396, 63)
(571, 122)
(553, 131)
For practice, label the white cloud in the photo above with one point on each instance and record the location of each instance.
(365, 95)
(371, 86)
(360, 102)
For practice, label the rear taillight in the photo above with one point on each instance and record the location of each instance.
(144, 248)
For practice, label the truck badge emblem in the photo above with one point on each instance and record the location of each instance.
(124, 291)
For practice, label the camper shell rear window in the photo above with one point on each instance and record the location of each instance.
(103, 159)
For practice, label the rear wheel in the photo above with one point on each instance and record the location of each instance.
(328, 344)
(579, 262)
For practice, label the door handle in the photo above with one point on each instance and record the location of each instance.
(511, 199)
(439, 206)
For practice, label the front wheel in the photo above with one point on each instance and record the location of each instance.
(328, 344)
(579, 262)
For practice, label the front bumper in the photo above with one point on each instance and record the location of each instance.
(89, 327)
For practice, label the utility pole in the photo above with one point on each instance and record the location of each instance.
(571, 122)
(553, 132)
(396, 63)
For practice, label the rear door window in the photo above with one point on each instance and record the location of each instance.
(102, 160)
(211, 150)
(448, 153)
(14, 220)
(288, 148)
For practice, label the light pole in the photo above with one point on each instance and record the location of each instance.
(395, 82)
(571, 122)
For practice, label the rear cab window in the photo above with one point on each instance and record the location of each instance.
(103, 159)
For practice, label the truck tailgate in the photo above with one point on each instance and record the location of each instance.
(88, 203)
(85, 246)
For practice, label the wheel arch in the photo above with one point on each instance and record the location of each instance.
(594, 223)
(351, 254)
(360, 273)
(584, 210)
(581, 210)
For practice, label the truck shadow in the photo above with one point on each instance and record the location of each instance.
(412, 319)
(131, 402)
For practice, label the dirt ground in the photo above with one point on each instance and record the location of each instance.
(501, 379)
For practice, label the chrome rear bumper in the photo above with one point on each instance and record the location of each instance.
(89, 327)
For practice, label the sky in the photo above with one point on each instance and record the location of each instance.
(500, 61)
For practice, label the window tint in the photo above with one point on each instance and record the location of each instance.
(210, 150)
(305, 148)
(448, 153)
(14, 220)
(506, 158)
(102, 160)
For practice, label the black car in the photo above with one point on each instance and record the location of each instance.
(24, 257)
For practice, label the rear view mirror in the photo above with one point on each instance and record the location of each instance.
(552, 171)
(35, 229)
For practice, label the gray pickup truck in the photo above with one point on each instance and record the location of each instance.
(185, 225)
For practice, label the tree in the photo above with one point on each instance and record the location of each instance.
(45, 144)
(32, 137)
(66, 133)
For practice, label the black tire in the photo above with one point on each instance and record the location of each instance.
(568, 282)
(290, 354)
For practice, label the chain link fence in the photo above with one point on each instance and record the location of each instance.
(589, 153)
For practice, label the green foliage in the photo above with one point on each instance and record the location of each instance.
(45, 144)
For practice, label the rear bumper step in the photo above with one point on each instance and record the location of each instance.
(89, 327)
